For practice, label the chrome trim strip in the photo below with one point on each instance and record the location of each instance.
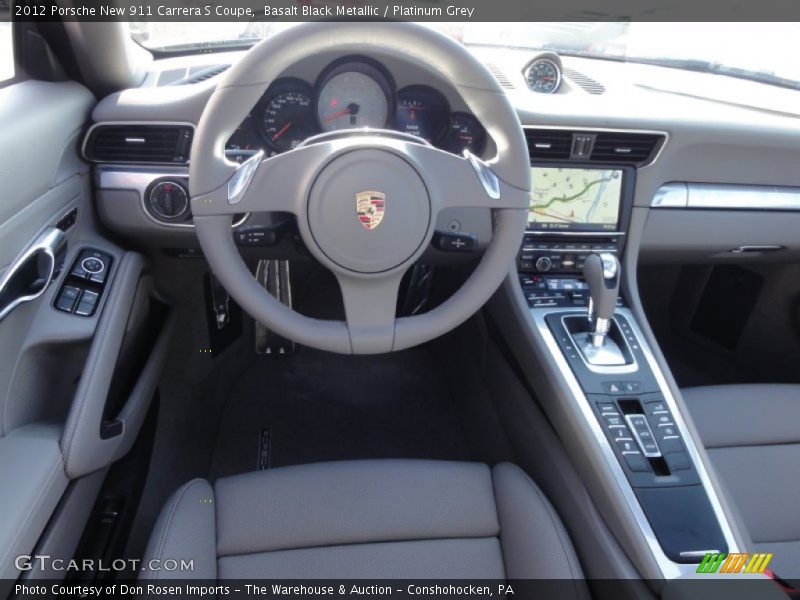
(671, 195)
(669, 569)
(575, 233)
(489, 181)
(629, 419)
(726, 196)
(240, 180)
(48, 242)
(578, 129)
(127, 178)
(125, 162)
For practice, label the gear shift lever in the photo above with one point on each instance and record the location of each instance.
(601, 272)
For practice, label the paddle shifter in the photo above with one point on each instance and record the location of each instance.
(602, 274)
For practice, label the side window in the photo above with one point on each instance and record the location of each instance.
(6, 51)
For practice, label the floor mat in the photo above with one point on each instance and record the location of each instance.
(314, 406)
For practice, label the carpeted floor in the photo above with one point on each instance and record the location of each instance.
(319, 407)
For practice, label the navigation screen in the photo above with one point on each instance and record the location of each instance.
(575, 199)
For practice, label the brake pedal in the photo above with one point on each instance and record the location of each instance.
(275, 277)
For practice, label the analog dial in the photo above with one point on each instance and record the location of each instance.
(465, 134)
(354, 95)
(287, 115)
(423, 112)
(544, 76)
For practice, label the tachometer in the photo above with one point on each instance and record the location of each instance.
(287, 115)
(466, 133)
(544, 76)
(421, 111)
(354, 94)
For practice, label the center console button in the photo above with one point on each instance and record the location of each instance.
(608, 408)
(677, 461)
(669, 445)
(621, 433)
(667, 431)
(663, 419)
(625, 446)
(656, 408)
(637, 462)
(615, 420)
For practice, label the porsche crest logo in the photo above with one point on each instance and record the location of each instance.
(370, 207)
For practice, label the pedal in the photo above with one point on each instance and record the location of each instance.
(274, 276)
(418, 292)
(220, 302)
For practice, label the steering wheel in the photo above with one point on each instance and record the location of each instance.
(323, 181)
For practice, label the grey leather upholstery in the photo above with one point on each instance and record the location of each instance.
(33, 480)
(752, 434)
(366, 519)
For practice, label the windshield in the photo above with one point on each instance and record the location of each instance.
(761, 51)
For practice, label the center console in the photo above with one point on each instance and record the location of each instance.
(569, 271)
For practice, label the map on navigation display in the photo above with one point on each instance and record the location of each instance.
(570, 198)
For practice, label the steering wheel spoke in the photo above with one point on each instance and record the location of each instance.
(369, 306)
(275, 184)
(468, 182)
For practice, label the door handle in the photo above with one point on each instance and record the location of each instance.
(31, 273)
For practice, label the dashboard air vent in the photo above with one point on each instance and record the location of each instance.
(549, 144)
(500, 76)
(134, 143)
(586, 83)
(632, 148)
(201, 74)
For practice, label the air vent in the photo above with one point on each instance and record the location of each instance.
(133, 143)
(632, 148)
(586, 83)
(548, 144)
(500, 76)
(196, 75)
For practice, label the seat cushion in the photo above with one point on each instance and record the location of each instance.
(366, 519)
(752, 435)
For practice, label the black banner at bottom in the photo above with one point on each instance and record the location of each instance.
(543, 589)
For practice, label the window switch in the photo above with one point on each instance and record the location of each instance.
(87, 304)
(68, 298)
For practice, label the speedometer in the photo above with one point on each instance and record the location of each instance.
(287, 115)
(354, 94)
(544, 76)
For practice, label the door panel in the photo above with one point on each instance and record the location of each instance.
(74, 387)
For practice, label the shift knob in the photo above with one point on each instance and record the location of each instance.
(601, 272)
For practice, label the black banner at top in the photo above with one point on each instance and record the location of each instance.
(476, 11)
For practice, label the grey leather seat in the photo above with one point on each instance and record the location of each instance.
(366, 519)
(752, 434)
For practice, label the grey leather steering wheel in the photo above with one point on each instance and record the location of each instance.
(320, 180)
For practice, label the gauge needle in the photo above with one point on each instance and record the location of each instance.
(282, 131)
(337, 114)
(351, 108)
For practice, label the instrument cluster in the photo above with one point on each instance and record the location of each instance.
(354, 92)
